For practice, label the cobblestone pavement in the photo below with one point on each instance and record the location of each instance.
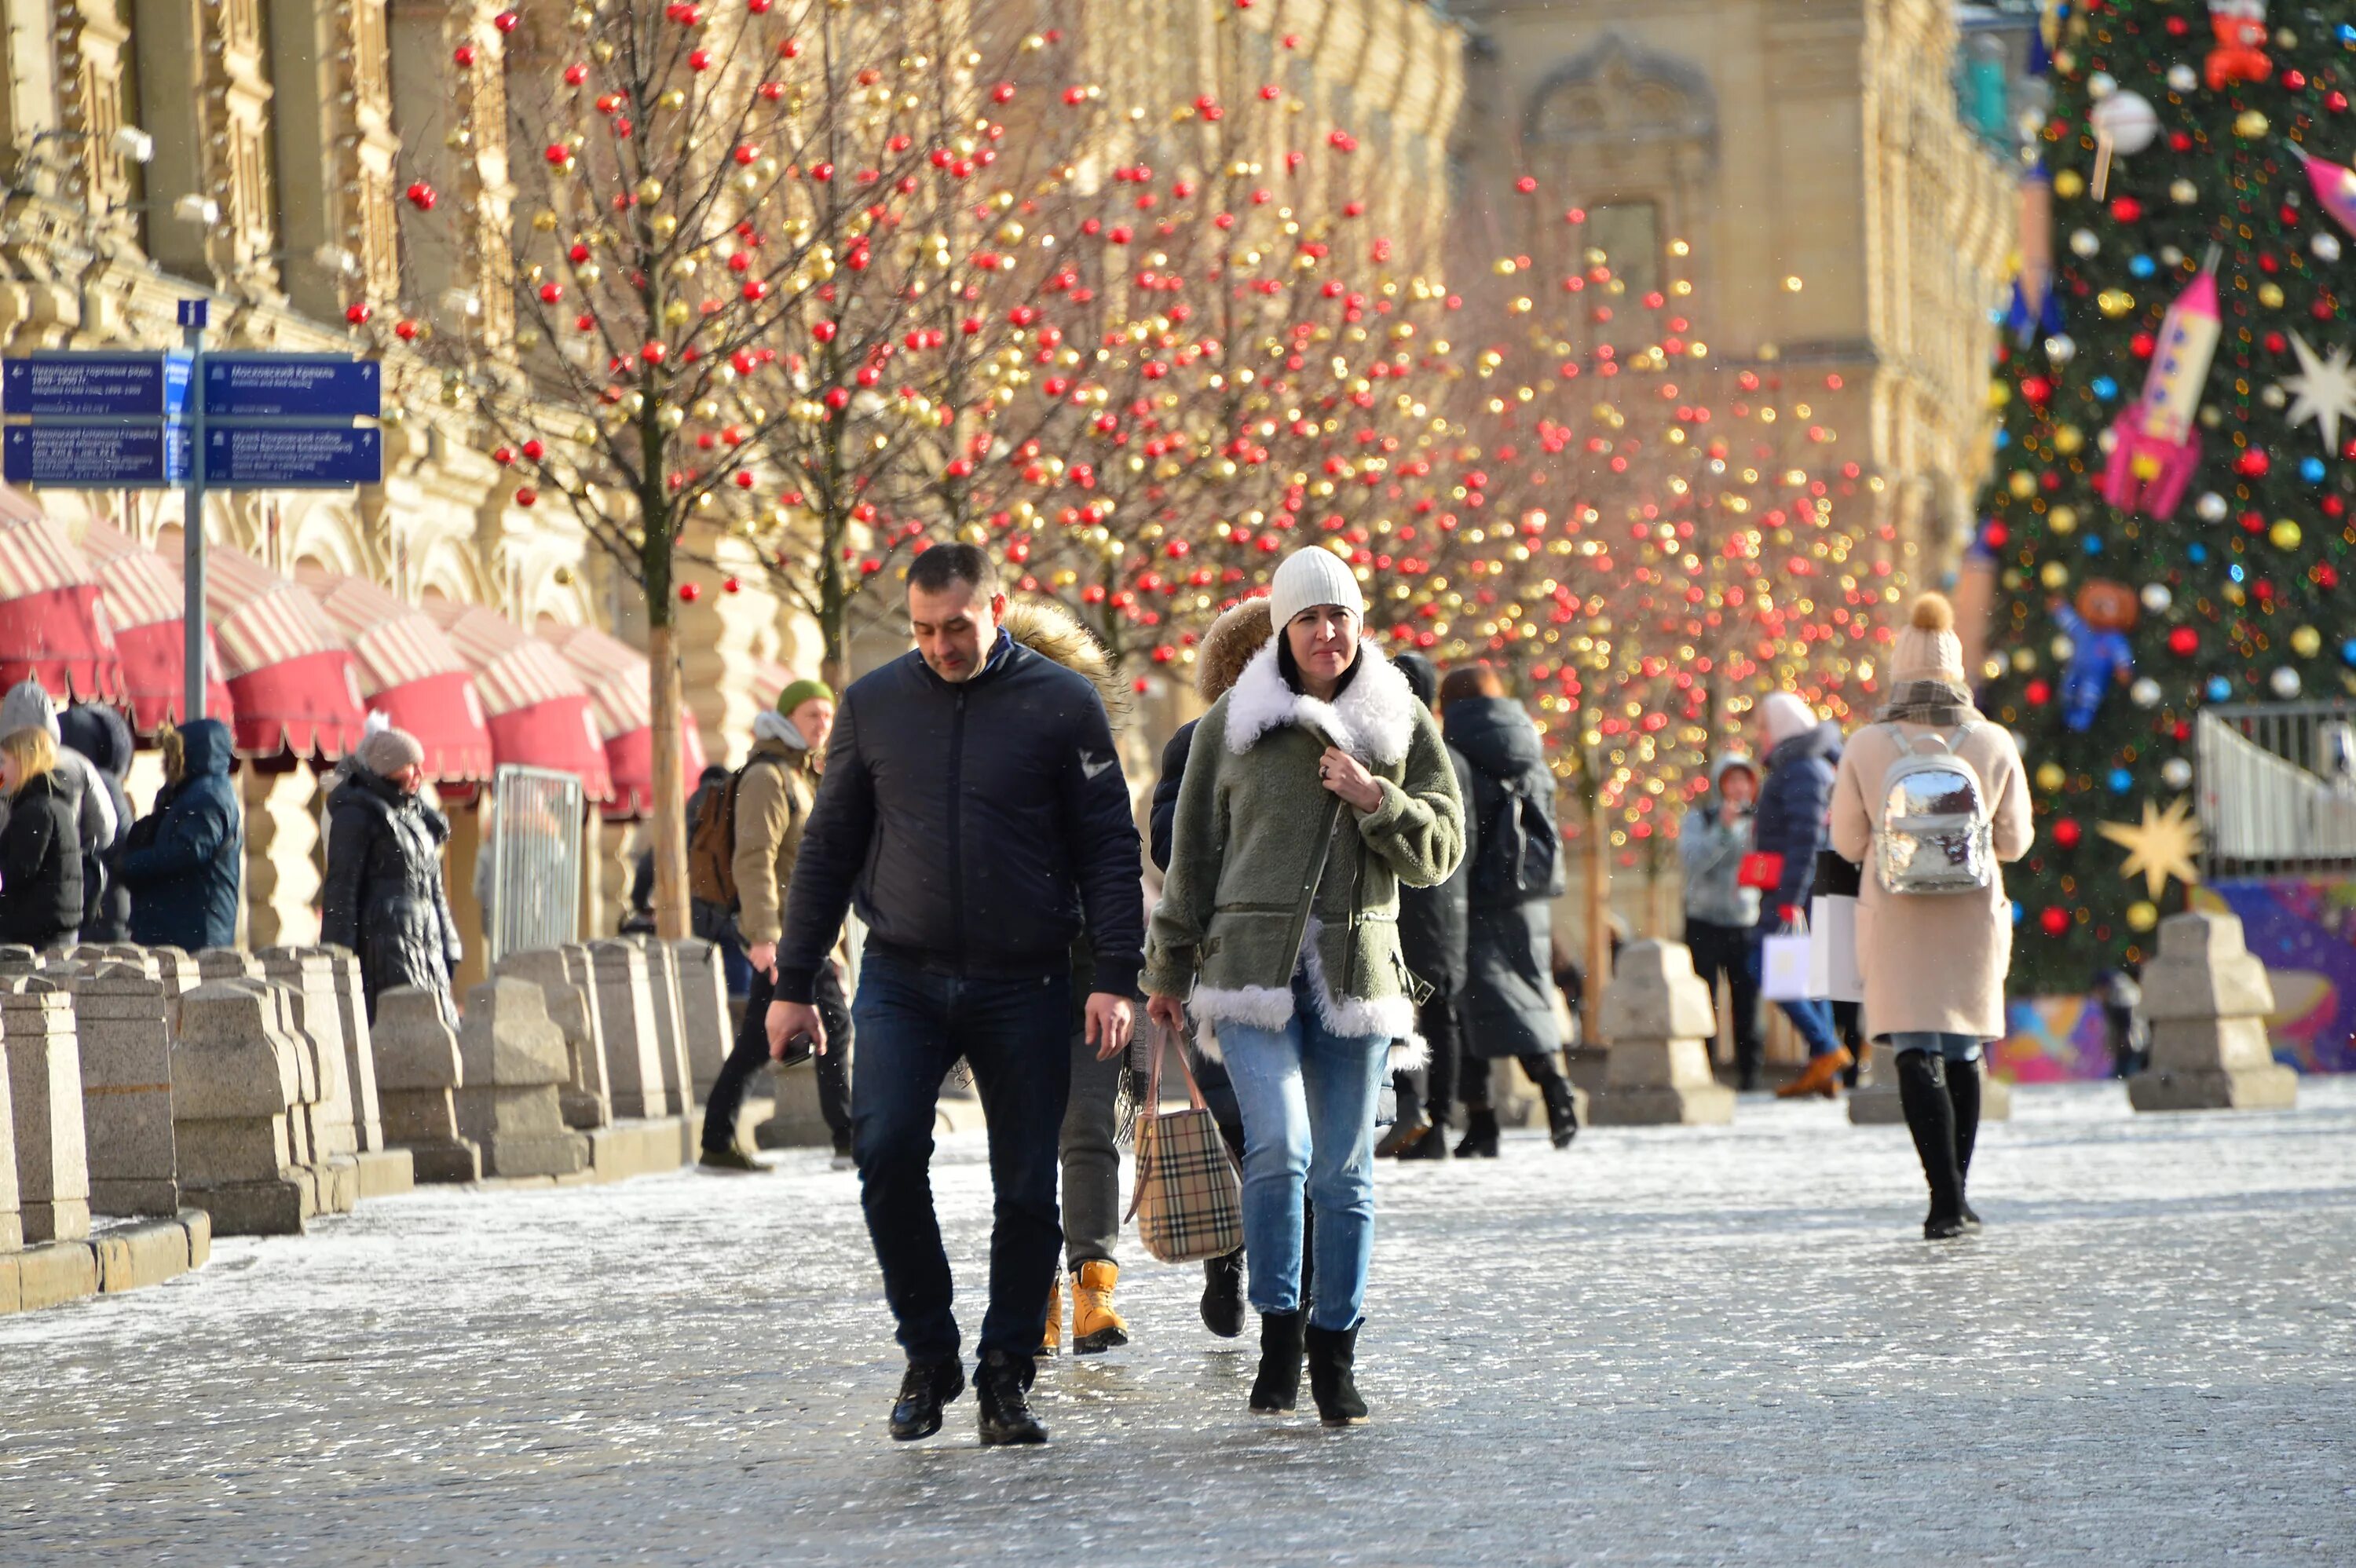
(1671, 1345)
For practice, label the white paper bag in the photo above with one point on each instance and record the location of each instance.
(1832, 949)
(1783, 968)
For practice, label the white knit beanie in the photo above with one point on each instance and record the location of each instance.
(1785, 716)
(28, 705)
(1309, 578)
(1927, 648)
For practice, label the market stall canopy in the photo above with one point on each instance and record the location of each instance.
(409, 672)
(290, 673)
(144, 597)
(53, 622)
(538, 710)
(615, 675)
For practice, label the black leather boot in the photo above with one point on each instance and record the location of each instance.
(1333, 1355)
(1562, 1110)
(1480, 1140)
(1931, 1118)
(927, 1386)
(1277, 1389)
(1964, 1095)
(1223, 1295)
(999, 1385)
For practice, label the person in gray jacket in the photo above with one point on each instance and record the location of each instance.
(28, 705)
(1722, 915)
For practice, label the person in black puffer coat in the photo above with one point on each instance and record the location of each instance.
(98, 734)
(40, 855)
(1433, 930)
(1508, 1005)
(384, 897)
(184, 861)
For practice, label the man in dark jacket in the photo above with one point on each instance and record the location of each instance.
(103, 740)
(1515, 873)
(1434, 925)
(1794, 801)
(185, 871)
(973, 807)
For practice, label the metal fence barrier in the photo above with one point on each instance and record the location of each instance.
(2277, 788)
(535, 849)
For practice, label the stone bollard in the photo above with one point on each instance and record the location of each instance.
(513, 1060)
(572, 1009)
(418, 1074)
(124, 1017)
(175, 968)
(12, 1217)
(702, 1011)
(310, 982)
(670, 1032)
(236, 1077)
(18, 960)
(626, 1004)
(1656, 1015)
(2207, 997)
(44, 1089)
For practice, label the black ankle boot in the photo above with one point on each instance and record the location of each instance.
(1964, 1095)
(1480, 1140)
(999, 1386)
(1333, 1355)
(1223, 1295)
(927, 1386)
(1277, 1389)
(1562, 1110)
(1931, 1118)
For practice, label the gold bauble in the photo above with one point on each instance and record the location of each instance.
(1998, 394)
(2069, 184)
(2184, 192)
(2283, 535)
(2142, 915)
(2270, 295)
(2249, 125)
(2068, 439)
(2050, 777)
(2062, 520)
(2306, 642)
(2023, 483)
(2114, 302)
(2053, 575)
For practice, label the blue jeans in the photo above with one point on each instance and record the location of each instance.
(1953, 1047)
(1815, 1021)
(1307, 1099)
(913, 1021)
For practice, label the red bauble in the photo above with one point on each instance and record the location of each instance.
(405, 329)
(2141, 344)
(575, 74)
(358, 312)
(463, 57)
(2036, 389)
(503, 455)
(1995, 536)
(2252, 464)
(534, 450)
(731, 585)
(420, 196)
(2126, 209)
(2184, 642)
(689, 593)
(2067, 833)
(527, 497)
(507, 21)
(2053, 921)
(2039, 693)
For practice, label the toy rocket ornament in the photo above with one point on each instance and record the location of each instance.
(2240, 28)
(2154, 447)
(2334, 185)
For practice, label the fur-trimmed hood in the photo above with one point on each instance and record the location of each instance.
(1373, 717)
(1240, 632)
(1053, 633)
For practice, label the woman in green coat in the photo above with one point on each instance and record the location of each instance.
(1319, 763)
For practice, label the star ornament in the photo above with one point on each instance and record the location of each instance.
(2165, 844)
(2324, 390)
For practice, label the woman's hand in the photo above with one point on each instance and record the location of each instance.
(1169, 1012)
(1347, 777)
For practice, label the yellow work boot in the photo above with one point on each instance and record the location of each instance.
(1051, 1343)
(1096, 1327)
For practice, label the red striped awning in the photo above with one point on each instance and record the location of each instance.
(539, 713)
(408, 672)
(615, 675)
(53, 622)
(292, 676)
(143, 596)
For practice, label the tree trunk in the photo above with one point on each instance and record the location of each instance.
(668, 822)
(1599, 923)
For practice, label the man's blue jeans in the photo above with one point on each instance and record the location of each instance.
(913, 1021)
(1308, 1098)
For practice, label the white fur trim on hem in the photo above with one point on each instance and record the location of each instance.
(1270, 1006)
(1373, 719)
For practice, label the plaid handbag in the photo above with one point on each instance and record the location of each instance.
(1189, 1198)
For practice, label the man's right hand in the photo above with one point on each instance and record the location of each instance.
(1169, 1012)
(787, 1020)
(763, 957)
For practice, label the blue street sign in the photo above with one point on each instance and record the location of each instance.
(95, 386)
(95, 457)
(293, 457)
(292, 386)
(193, 312)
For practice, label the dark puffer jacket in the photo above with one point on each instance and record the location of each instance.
(1509, 941)
(1794, 802)
(384, 897)
(98, 734)
(40, 865)
(184, 861)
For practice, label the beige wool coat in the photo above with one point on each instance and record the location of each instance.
(1935, 962)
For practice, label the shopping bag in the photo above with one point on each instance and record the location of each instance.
(1783, 968)
(1832, 949)
(1189, 1198)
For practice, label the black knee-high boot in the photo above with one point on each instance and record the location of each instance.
(1931, 1118)
(1964, 1094)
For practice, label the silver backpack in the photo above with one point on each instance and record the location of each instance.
(1935, 835)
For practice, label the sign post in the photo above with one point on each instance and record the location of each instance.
(192, 525)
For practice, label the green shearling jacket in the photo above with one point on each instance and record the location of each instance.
(1243, 840)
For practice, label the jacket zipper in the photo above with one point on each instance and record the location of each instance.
(956, 823)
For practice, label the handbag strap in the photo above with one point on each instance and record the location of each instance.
(1151, 1112)
(1325, 848)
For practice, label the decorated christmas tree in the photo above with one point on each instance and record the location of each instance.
(2167, 519)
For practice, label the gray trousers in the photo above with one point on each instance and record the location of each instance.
(1091, 1163)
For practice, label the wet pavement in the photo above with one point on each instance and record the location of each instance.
(1674, 1346)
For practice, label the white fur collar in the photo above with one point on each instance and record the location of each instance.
(1374, 719)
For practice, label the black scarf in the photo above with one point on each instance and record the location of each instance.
(1928, 702)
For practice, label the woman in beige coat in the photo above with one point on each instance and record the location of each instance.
(1933, 963)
